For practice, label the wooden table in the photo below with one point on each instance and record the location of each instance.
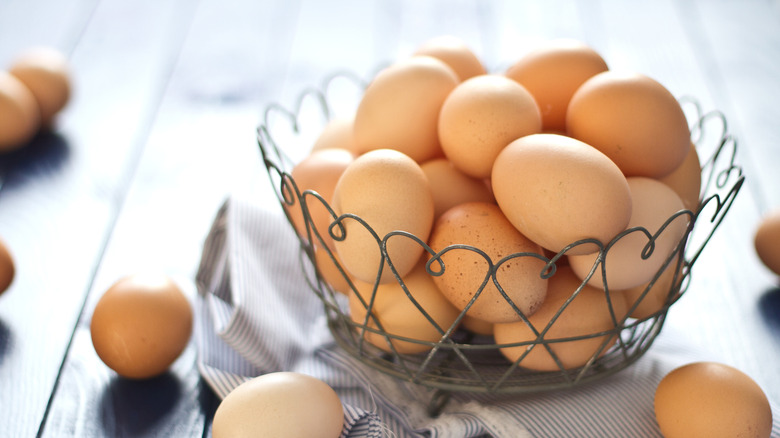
(167, 94)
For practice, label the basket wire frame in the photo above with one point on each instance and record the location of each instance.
(461, 361)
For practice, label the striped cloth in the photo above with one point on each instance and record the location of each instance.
(256, 314)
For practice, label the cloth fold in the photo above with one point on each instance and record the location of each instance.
(257, 314)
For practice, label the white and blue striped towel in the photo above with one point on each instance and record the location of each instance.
(256, 314)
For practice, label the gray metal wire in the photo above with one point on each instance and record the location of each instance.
(461, 361)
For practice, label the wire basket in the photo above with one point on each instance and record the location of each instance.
(461, 361)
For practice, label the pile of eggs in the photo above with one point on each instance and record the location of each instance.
(557, 155)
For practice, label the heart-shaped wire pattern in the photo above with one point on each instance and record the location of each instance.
(459, 360)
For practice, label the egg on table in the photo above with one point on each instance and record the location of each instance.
(713, 400)
(280, 404)
(20, 116)
(46, 73)
(141, 325)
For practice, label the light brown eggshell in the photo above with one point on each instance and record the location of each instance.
(484, 226)
(46, 73)
(633, 119)
(557, 190)
(653, 298)
(713, 400)
(455, 53)
(398, 315)
(480, 117)
(327, 266)
(390, 192)
(280, 404)
(140, 325)
(653, 203)
(686, 180)
(20, 116)
(318, 172)
(451, 187)
(588, 313)
(7, 267)
(400, 108)
(552, 73)
(337, 133)
(766, 241)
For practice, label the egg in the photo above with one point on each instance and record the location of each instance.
(558, 190)
(398, 315)
(451, 187)
(628, 263)
(766, 241)
(318, 172)
(588, 313)
(713, 400)
(552, 73)
(7, 267)
(455, 53)
(20, 116)
(685, 180)
(480, 117)
(400, 108)
(280, 404)
(141, 325)
(337, 133)
(329, 267)
(46, 73)
(652, 298)
(389, 192)
(633, 119)
(476, 325)
(464, 271)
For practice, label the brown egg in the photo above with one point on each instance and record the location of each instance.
(476, 325)
(686, 180)
(633, 119)
(626, 263)
(390, 192)
(337, 133)
(46, 73)
(280, 404)
(141, 325)
(766, 241)
(484, 226)
(588, 313)
(455, 53)
(557, 190)
(552, 73)
(318, 172)
(653, 298)
(328, 264)
(400, 108)
(451, 187)
(713, 400)
(20, 117)
(7, 267)
(480, 117)
(399, 316)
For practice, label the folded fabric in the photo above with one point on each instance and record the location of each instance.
(257, 314)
